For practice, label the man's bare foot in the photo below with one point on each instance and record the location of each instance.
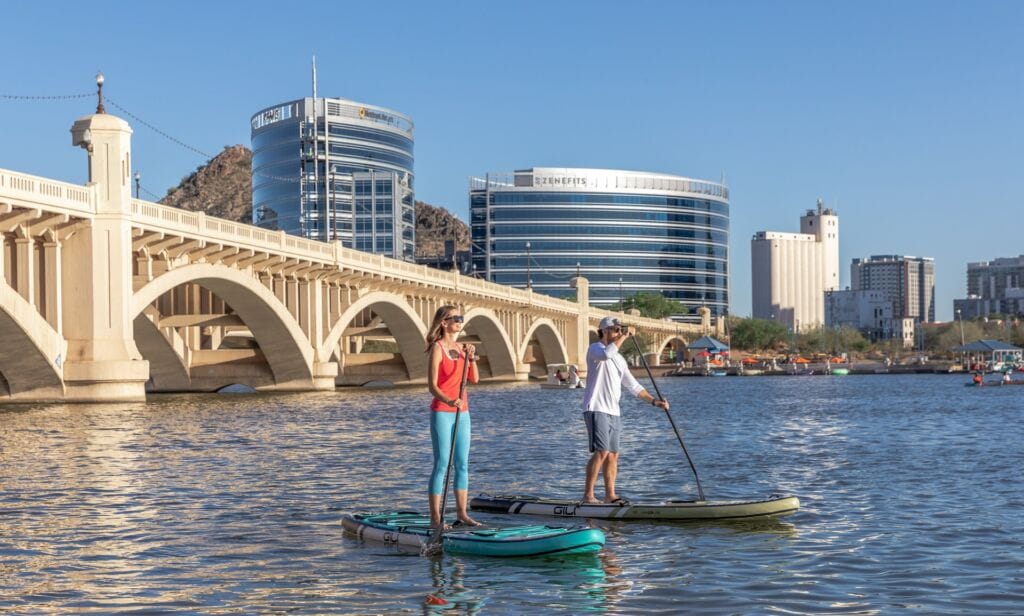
(468, 521)
(590, 499)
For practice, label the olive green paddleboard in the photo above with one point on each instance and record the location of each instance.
(667, 510)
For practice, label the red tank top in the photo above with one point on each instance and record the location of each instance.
(449, 378)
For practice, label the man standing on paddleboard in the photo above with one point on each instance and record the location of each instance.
(607, 373)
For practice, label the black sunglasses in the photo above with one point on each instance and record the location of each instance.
(458, 318)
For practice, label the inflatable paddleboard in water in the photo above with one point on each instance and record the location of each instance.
(667, 510)
(413, 530)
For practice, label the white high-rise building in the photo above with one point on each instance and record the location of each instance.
(792, 271)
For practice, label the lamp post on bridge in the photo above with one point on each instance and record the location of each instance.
(529, 281)
(137, 178)
(960, 317)
(99, 93)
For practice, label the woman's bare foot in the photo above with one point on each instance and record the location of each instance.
(590, 499)
(465, 520)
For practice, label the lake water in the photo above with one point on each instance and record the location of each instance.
(910, 490)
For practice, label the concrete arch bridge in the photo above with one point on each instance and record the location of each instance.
(105, 297)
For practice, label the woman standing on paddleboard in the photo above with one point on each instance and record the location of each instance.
(447, 365)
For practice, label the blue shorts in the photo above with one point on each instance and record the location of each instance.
(603, 431)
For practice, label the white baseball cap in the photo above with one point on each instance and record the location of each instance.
(609, 322)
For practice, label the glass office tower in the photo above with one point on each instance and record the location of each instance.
(334, 169)
(624, 231)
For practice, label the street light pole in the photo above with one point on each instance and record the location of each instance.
(960, 317)
(529, 281)
(621, 299)
(137, 177)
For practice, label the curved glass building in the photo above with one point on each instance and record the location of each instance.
(625, 231)
(334, 169)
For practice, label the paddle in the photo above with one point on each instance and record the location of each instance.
(434, 545)
(700, 491)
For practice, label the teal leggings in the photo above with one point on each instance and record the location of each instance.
(441, 426)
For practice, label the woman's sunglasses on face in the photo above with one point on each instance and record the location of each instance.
(458, 318)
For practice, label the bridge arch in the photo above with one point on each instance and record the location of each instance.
(497, 345)
(31, 352)
(404, 324)
(285, 346)
(663, 343)
(168, 367)
(551, 344)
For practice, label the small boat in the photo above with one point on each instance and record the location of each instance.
(754, 372)
(840, 371)
(667, 510)
(579, 385)
(563, 376)
(411, 529)
(718, 373)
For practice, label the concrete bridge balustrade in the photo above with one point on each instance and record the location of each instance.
(105, 297)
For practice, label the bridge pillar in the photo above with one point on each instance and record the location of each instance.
(50, 293)
(24, 281)
(579, 337)
(103, 362)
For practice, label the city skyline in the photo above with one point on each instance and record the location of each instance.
(902, 118)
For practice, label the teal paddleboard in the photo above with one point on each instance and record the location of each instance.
(413, 530)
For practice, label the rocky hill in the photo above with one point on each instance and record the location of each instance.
(223, 188)
(434, 225)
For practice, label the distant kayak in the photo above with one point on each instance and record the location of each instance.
(667, 510)
(413, 530)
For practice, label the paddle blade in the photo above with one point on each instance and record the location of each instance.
(435, 545)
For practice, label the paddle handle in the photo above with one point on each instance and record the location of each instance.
(643, 360)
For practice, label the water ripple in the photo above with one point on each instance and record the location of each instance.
(228, 504)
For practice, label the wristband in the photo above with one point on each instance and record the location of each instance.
(654, 402)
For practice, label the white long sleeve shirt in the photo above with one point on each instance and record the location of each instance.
(607, 372)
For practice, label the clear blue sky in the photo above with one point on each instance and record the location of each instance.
(905, 116)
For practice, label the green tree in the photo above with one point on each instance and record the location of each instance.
(651, 305)
(380, 346)
(756, 334)
(628, 349)
(1017, 334)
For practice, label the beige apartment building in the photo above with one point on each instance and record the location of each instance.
(792, 271)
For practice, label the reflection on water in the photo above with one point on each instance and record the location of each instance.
(578, 583)
(908, 485)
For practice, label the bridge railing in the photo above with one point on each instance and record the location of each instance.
(333, 254)
(47, 193)
(258, 239)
